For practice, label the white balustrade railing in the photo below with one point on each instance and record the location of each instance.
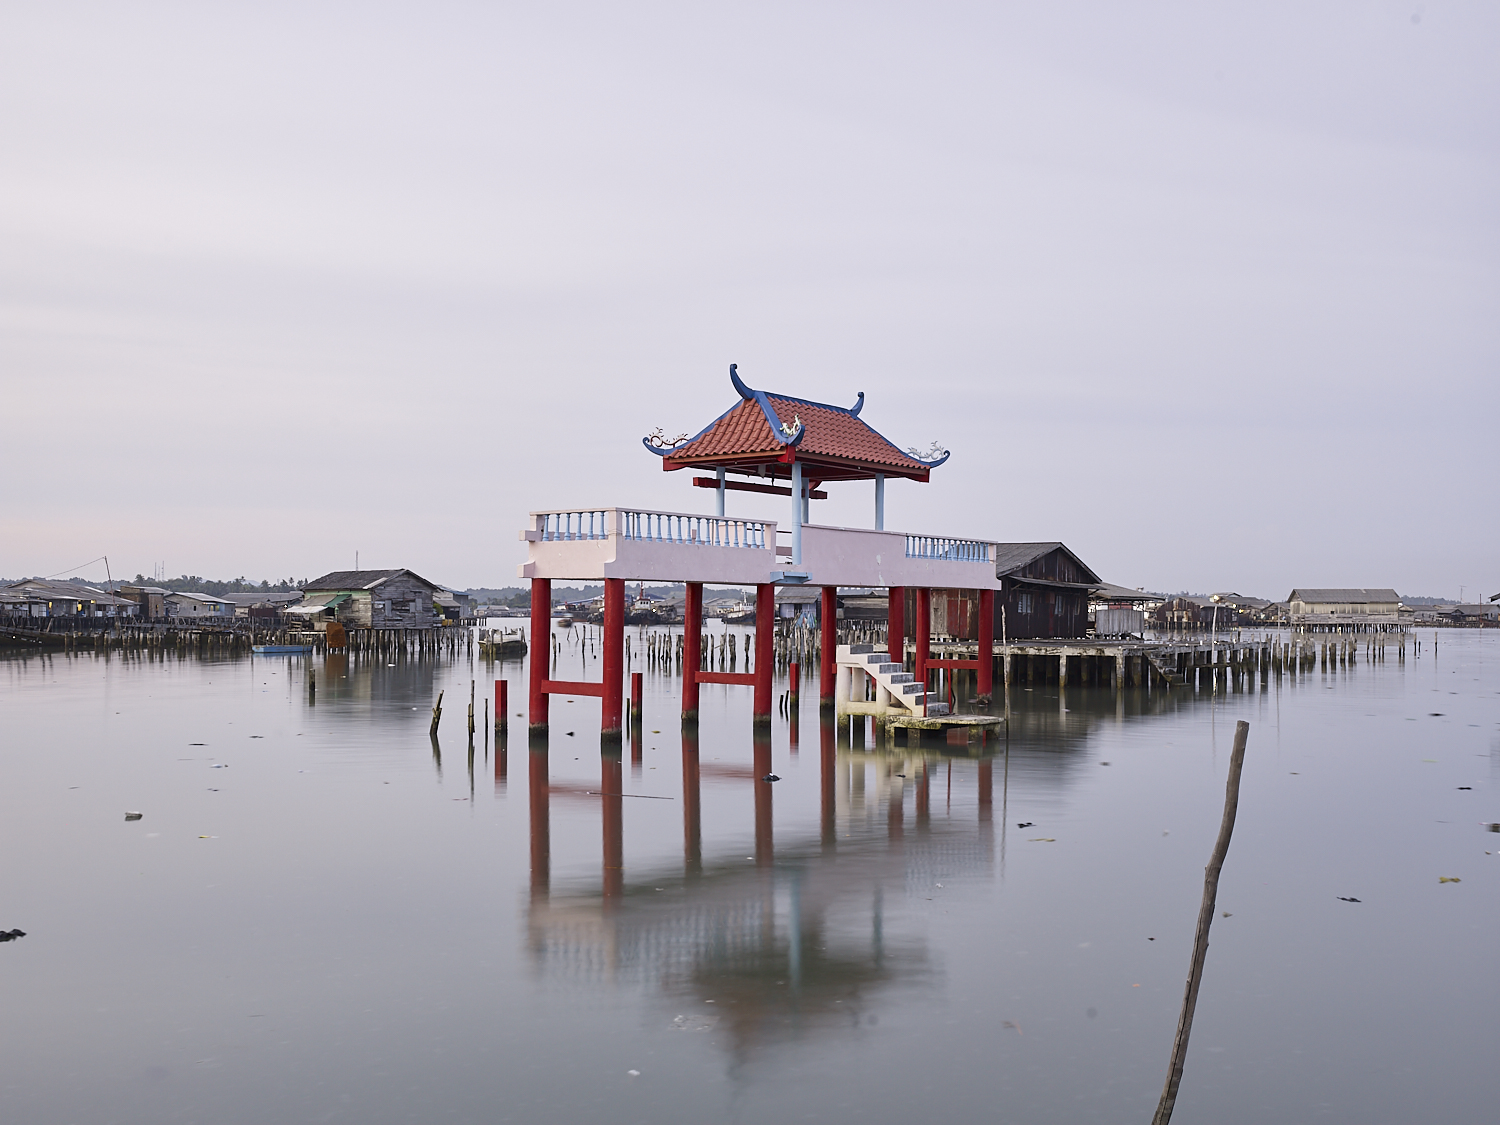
(946, 549)
(557, 527)
(702, 531)
(649, 527)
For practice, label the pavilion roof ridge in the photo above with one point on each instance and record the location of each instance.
(768, 424)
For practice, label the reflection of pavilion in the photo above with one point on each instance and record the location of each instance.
(793, 940)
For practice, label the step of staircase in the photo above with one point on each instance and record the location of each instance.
(891, 675)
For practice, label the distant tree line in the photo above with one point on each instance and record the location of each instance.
(192, 583)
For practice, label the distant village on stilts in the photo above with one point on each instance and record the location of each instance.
(905, 627)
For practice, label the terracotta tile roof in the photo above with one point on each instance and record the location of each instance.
(744, 432)
(832, 432)
(743, 429)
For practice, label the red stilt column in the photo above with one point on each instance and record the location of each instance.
(692, 816)
(502, 706)
(611, 781)
(895, 630)
(611, 713)
(794, 704)
(986, 642)
(828, 627)
(765, 851)
(541, 829)
(637, 689)
(923, 638)
(828, 755)
(765, 651)
(692, 649)
(541, 651)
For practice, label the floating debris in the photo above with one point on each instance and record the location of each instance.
(134, 815)
(11, 935)
(1449, 879)
(1343, 899)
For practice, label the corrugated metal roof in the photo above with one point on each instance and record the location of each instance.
(360, 579)
(1360, 596)
(1013, 556)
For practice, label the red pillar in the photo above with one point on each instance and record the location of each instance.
(794, 705)
(637, 689)
(692, 649)
(828, 627)
(692, 816)
(765, 851)
(765, 651)
(828, 754)
(502, 706)
(924, 636)
(896, 624)
(610, 720)
(541, 833)
(986, 642)
(541, 650)
(611, 781)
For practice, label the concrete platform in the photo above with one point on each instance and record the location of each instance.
(955, 729)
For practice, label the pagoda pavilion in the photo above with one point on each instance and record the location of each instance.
(778, 445)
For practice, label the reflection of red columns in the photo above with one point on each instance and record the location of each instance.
(541, 832)
(828, 626)
(612, 713)
(763, 848)
(541, 650)
(986, 642)
(829, 754)
(501, 762)
(924, 636)
(895, 629)
(986, 789)
(765, 651)
(692, 817)
(611, 781)
(924, 793)
(692, 649)
(895, 816)
(794, 704)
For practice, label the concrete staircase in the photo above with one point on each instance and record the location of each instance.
(901, 688)
(1167, 668)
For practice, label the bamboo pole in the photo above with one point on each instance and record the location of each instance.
(1205, 920)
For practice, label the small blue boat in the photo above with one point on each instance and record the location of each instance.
(280, 648)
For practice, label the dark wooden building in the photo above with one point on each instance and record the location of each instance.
(1044, 591)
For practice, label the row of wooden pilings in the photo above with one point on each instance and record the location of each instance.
(200, 638)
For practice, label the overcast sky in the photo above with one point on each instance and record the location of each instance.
(1206, 291)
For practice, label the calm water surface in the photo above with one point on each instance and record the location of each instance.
(323, 917)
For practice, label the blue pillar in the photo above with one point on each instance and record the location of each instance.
(796, 513)
(879, 501)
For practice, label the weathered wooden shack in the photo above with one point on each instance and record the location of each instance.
(370, 599)
(1044, 591)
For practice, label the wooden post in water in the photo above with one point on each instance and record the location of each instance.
(1205, 920)
(437, 713)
